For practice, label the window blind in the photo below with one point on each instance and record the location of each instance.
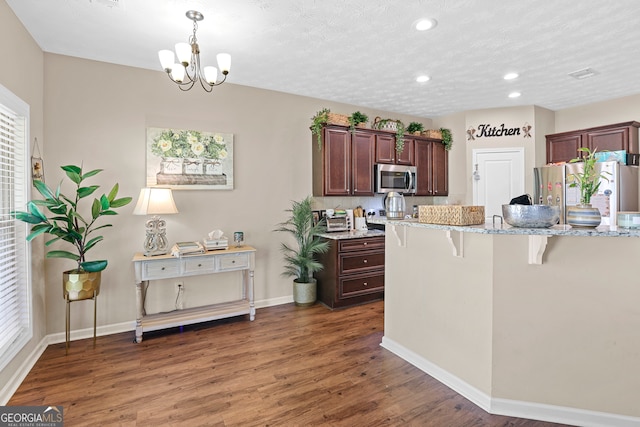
(15, 316)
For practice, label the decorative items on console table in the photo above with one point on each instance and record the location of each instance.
(588, 182)
(300, 261)
(69, 225)
(188, 64)
(155, 201)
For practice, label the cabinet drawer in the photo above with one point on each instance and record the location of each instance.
(198, 265)
(232, 262)
(361, 284)
(360, 262)
(366, 243)
(160, 269)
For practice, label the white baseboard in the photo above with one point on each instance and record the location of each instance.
(511, 408)
(21, 373)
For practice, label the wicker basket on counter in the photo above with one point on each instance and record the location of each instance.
(451, 214)
(337, 119)
(432, 133)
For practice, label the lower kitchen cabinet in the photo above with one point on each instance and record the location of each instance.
(353, 272)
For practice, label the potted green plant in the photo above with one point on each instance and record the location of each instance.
(446, 138)
(300, 261)
(356, 118)
(65, 222)
(415, 128)
(320, 119)
(587, 180)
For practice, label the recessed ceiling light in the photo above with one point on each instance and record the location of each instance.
(426, 24)
(422, 79)
(583, 74)
(511, 76)
(514, 94)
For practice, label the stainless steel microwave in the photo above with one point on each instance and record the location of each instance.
(395, 178)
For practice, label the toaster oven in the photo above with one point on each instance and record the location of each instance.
(338, 223)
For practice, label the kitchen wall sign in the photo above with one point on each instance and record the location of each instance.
(189, 159)
(486, 130)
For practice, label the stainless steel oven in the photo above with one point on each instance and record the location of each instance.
(398, 178)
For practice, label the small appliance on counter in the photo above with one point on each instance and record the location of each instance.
(337, 220)
(394, 205)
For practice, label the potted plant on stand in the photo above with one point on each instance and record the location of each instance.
(587, 180)
(66, 223)
(300, 261)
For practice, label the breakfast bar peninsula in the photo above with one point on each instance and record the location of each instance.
(536, 323)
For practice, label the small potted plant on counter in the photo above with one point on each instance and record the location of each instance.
(587, 179)
(300, 261)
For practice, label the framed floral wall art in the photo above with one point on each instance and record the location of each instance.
(189, 159)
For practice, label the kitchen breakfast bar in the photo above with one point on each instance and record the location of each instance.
(536, 323)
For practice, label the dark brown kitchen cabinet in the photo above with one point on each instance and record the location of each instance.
(386, 150)
(362, 144)
(343, 165)
(562, 147)
(353, 272)
(432, 168)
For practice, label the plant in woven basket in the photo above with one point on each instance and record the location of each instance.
(446, 138)
(357, 118)
(415, 127)
(320, 119)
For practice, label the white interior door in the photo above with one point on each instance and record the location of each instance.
(498, 177)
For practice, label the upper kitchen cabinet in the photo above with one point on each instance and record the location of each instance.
(386, 150)
(343, 166)
(562, 147)
(432, 168)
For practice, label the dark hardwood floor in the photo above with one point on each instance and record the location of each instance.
(290, 367)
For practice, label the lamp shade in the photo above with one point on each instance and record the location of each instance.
(155, 201)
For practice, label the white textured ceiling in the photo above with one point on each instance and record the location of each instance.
(366, 52)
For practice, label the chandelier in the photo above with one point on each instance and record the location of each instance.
(187, 71)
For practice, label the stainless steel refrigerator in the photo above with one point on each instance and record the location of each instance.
(616, 194)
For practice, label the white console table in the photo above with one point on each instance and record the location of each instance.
(168, 267)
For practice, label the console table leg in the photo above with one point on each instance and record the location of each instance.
(252, 306)
(140, 294)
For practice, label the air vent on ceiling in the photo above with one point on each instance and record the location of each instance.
(585, 73)
(118, 4)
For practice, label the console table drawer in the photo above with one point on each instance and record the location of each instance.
(160, 269)
(232, 262)
(198, 265)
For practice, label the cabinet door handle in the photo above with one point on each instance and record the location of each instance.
(364, 244)
(364, 260)
(365, 284)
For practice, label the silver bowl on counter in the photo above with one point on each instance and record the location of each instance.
(531, 216)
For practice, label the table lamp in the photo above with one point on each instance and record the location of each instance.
(155, 201)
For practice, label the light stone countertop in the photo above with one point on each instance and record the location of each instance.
(342, 235)
(497, 228)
